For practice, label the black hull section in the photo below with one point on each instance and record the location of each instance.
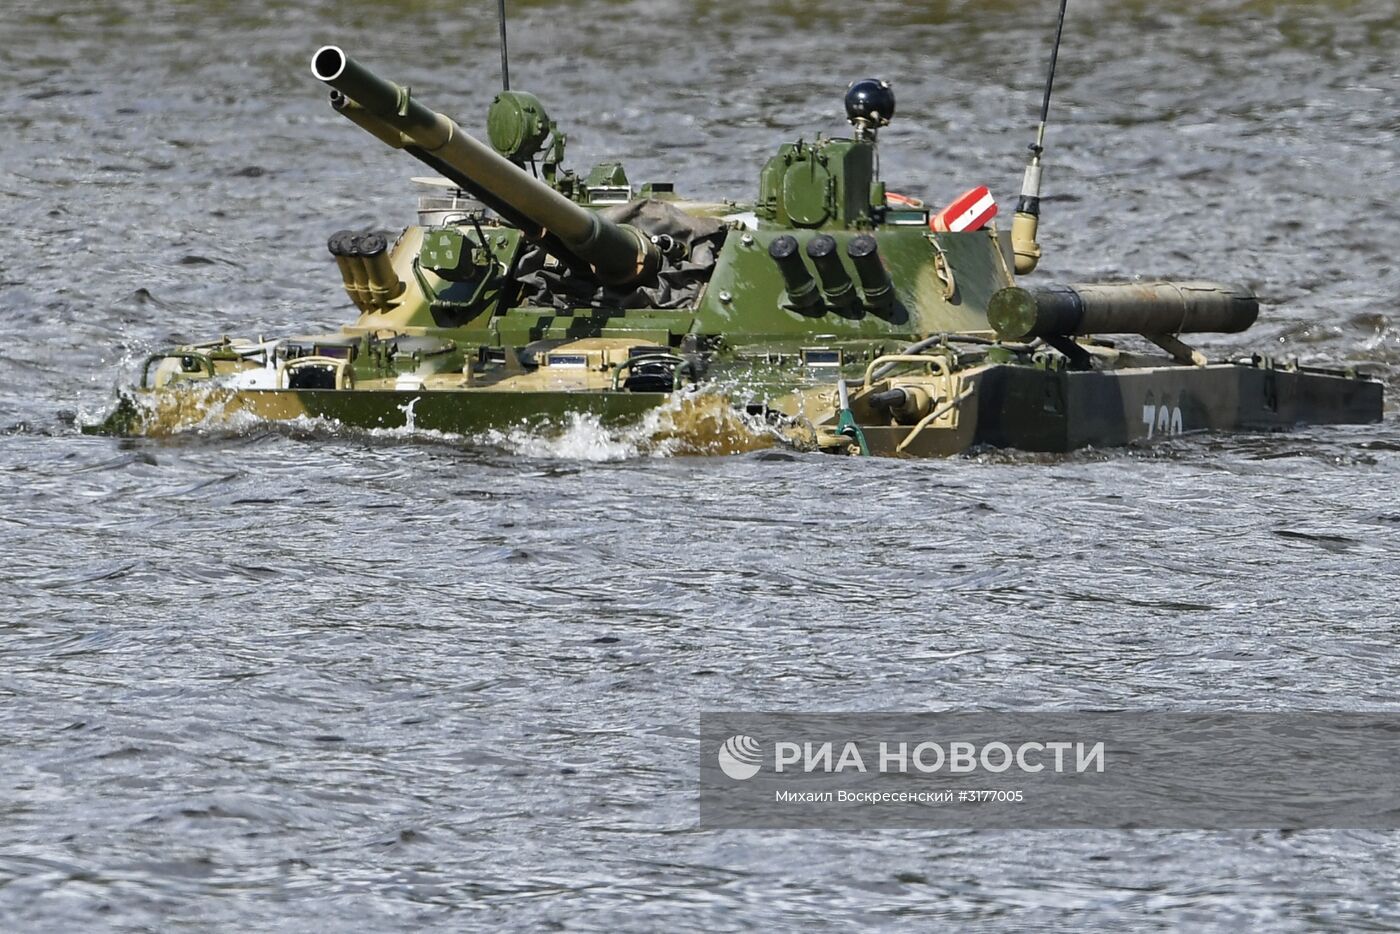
(1040, 410)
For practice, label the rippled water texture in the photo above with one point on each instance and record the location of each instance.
(322, 680)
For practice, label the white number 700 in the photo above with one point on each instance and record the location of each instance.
(1161, 419)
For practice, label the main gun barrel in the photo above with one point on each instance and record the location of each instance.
(618, 254)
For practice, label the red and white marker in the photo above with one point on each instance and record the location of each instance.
(969, 211)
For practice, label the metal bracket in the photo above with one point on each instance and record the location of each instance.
(942, 269)
(1179, 351)
(1079, 358)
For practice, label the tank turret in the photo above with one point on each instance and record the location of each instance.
(617, 254)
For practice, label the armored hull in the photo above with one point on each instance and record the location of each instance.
(1028, 407)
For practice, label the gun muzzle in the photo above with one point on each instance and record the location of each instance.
(618, 254)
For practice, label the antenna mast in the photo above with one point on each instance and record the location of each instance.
(505, 61)
(1027, 220)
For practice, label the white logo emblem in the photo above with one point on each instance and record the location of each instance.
(740, 757)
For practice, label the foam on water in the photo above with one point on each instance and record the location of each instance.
(583, 437)
(687, 424)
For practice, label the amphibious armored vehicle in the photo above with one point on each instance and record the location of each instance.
(829, 312)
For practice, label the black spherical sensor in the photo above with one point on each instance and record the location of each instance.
(870, 102)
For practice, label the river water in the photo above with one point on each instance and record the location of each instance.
(321, 680)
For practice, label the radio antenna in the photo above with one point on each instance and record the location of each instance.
(1039, 146)
(505, 60)
(1027, 220)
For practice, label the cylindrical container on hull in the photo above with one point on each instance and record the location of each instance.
(875, 286)
(383, 282)
(837, 288)
(797, 278)
(342, 246)
(1138, 308)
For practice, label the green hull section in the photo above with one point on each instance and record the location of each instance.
(459, 413)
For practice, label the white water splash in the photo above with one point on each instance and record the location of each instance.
(583, 437)
(407, 408)
(687, 424)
